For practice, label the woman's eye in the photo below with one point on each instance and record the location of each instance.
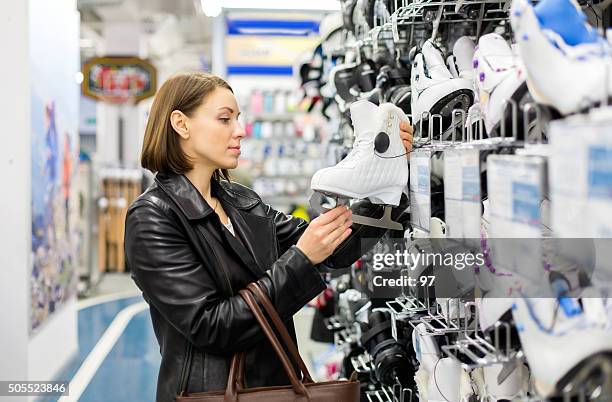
(224, 120)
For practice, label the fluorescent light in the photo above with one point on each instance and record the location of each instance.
(212, 8)
(293, 5)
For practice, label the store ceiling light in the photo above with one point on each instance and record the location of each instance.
(292, 5)
(212, 8)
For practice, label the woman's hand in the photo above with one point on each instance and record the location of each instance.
(406, 132)
(325, 233)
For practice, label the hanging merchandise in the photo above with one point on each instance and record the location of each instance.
(554, 33)
(494, 283)
(434, 88)
(499, 78)
(375, 169)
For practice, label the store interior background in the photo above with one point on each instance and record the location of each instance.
(64, 154)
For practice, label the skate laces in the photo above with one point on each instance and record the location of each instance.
(359, 146)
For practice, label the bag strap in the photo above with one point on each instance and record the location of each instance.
(280, 327)
(231, 390)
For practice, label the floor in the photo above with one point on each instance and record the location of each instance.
(118, 353)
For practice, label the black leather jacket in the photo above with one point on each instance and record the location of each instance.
(190, 269)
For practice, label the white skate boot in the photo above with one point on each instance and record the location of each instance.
(566, 61)
(491, 390)
(498, 78)
(435, 90)
(460, 62)
(438, 379)
(376, 168)
(583, 333)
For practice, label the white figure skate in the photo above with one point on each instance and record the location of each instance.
(583, 333)
(376, 168)
(434, 88)
(490, 389)
(438, 379)
(460, 62)
(554, 33)
(498, 78)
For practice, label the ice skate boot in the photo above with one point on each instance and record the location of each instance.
(376, 168)
(498, 78)
(491, 389)
(438, 379)
(460, 62)
(436, 91)
(566, 61)
(567, 342)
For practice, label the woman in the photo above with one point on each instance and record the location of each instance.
(194, 239)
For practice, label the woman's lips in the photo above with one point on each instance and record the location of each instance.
(235, 149)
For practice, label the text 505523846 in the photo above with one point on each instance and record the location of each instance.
(33, 388)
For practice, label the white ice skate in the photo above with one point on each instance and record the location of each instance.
(498, 78)
(566, 61)
(564, 341)
(460, 62)
(376, 168)
(434, 88)
(490, 389)
(438, 379)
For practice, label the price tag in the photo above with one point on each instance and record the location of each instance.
(420, 188)
(462, 193)
(516, 189)
(581, 178)
(453, 194)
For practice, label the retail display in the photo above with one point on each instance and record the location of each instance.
(435, 91)
(510, 167)
(120, 187)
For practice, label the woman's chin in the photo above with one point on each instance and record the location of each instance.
(231, 163)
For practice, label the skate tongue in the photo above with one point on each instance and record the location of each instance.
(438, 71)
(363, 117)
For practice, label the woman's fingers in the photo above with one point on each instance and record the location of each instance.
(407, 127)
(342, 237)
(406, 131)
(332, 215)
(408, 145)
(339, 230)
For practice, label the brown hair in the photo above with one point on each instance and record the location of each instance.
(161, 151)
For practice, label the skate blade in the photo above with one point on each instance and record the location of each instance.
(323, 202)
(385, 222)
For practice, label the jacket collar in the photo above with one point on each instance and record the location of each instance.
(190, 201)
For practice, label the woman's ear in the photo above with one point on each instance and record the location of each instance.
(179, 123)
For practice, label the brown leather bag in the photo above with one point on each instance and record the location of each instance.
(299, 390)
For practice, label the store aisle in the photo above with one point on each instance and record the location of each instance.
(117, 346)
(131, 366)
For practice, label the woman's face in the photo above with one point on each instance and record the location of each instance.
(215, 132)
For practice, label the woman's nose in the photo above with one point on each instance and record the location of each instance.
(239, 131)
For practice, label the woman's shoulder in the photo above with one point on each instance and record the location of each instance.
(240, 190)
(152, 199)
